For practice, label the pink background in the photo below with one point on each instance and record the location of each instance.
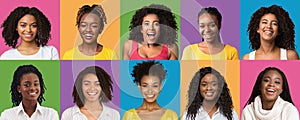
(251, 69)
(50, 8)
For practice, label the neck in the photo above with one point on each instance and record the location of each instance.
(96, 105)
(150, 106)
(267, 105)
(209, 106)
(267, 46)
(27, 45)
(29, 107)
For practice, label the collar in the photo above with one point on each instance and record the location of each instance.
(38, 109)
(203, 111)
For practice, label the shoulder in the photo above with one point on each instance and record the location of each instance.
(189, 47)
(49, 48)
(229, 47)
(170, 112)
(68, 112)
(111, 110)
(9, 53)
(234, 115)
(292, 55)
(48, 110)
(128, 43)
(247, 109)
(246, 56)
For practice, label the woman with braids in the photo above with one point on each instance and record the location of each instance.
(90, 22)
(211, 48)
(27, 90)
(153, 35)
(271, 34)
(270, 98)
(149, 75)
(209, 97)
(33, 27)
(92, 87)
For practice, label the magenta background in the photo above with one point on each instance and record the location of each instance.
(251, 69)
(50, 8)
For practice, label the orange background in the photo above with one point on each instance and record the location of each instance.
(229, 69)
(110, 36)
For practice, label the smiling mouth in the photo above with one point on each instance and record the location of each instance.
(92, 93)
(33, 93)
(209, 93)
(268, 32)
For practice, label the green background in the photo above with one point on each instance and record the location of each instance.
(128, 8)
(50, 71)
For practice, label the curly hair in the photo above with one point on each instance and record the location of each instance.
(153, 68)
(212, 11)
(10, 24)
(285, 95)
(94, 9)
(16, 97)
(286, 32)
(195, 99)
(105, 84)
(168, 26)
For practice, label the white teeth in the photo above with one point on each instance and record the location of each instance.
(91, 93)
(270, 90)
(209, 93)
(27, 35)
(32, 93)
(150, 96)
(88, 35)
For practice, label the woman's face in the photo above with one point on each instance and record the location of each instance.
(268, 27)
(271, 86)
(91, 88)
(89, 28)
(209, 87)
(150, 87)
(29, 87)
(150, 28)
(208, 27)
(27, 28)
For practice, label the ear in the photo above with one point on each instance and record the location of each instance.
(139, 86)
(19, 89)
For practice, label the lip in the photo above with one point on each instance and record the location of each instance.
(92, 93)
(270, 91)
(268, 32)
(33, 93)
(209, 93)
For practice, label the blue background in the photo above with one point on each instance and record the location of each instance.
(247, 8)
(169, 97)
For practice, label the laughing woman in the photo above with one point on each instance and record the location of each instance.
(153, 35)
(149, 76)
(270, 98)
(90, 23)
(27, 90)
(92, 88)
(33, 27)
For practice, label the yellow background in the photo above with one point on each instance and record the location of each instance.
(110, 36)
(229, 69)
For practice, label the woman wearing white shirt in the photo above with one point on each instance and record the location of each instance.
(209, 97)
(33, 28)
(27, 91)
(92, 87)
(270, 98)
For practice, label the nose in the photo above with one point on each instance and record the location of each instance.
(271, 83)
(89, 28)
(208, 87)
(28, 28)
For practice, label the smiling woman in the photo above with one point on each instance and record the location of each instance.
(148, 76)
(271, 33)
(270, 98)
(92, 88)
(33, 27)
(27, 90)
(153, 35)
(90, 22)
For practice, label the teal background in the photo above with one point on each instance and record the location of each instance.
(50, 71)
(247, 8)
(169, 97)
(128, 9)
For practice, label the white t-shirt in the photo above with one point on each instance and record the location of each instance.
(44, 53)
(203, 115)
(73, 113)
(18, 113)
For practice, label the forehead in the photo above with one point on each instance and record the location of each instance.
(90, 17)
(29, 77)
(90, 77)
(148, 17)
(27, 17)
(268, 16)
(149, 79)
(209, 78)
(206, 17)
(271, 73)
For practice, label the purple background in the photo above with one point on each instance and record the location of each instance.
(50, 9)
(230, 26)
(69, 71)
